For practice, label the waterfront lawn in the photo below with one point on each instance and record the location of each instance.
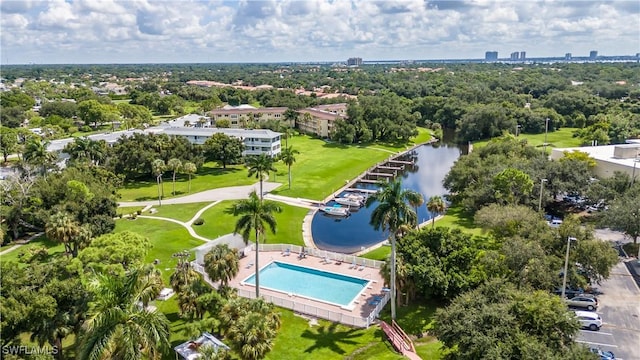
(382, 253)
(322, 167)
(210, 176)
(181, 212)
(166, 238)
(560, 138)
(455, 218)
(218, 222)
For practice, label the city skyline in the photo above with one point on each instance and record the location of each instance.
(57, 31)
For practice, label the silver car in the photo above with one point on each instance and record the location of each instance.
(586, 302)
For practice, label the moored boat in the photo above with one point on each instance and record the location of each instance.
(335, 210)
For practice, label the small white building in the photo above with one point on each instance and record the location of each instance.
(609, 158)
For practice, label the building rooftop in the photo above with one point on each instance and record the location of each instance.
(605, 153)
(189, 349)
(239, 133)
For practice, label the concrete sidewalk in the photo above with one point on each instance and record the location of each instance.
(227, 193)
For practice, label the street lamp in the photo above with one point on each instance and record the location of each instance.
(542, 181)
(566, 266)
(546, 130)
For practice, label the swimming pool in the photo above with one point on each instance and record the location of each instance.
(328, 287)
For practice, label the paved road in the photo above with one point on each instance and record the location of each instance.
(228, 193)
(620, 312)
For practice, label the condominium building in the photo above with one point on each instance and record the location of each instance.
(319, 120)
(256, 142)
(242, 116)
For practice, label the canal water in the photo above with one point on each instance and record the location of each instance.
(354, 233)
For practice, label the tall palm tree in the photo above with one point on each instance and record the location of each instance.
(175, 165)
(62, 228)
(260, 166)
(157, 167)
(117, 327)
(288, 158)
(189, 168)
(79, 149)
(35, 153)
(255, 216)
(415, 203)
(221, 263)
(392, 212)
(252, 337)
(436, 206)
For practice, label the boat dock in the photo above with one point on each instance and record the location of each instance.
(403, 162)
(381, 174)
(366, 191)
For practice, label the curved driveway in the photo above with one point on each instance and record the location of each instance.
(227, 193)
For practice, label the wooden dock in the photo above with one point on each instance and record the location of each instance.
(368, 181)
(380, 174)
(366, 191)
(400, 162)
(394, 168)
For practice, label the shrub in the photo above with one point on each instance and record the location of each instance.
(85, 128)
(139, 212)
(198, 221)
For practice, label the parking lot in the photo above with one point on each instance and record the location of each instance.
(619, 308)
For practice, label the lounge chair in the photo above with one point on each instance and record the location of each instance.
(361, 268)
(353, 265)
(339, 262)
(249, 265)
(287, 252)
(374, 302)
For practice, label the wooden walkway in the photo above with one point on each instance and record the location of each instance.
(399, 340)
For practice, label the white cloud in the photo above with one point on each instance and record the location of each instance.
(307, 30)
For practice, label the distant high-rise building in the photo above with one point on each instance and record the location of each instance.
(356, 61)
(593, 54)
(514, 56)
(491, 56)
(523, 55)
(567, 56)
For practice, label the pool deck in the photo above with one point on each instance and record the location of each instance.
(360, 307)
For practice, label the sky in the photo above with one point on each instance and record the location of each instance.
(181, 31)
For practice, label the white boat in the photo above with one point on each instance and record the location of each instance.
(348, 201)
(335, 210)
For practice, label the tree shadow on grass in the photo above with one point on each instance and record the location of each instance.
(330, 337)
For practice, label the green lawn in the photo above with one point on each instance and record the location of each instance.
(218, 222)
(382, 253)
(561, 138)
(181, 212)
(167, 238)
(457, 219)
(209, 177)
(128, 210)
(53, 248)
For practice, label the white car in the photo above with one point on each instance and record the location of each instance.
(589, 320)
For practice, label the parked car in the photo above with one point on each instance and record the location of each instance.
(570, 291)
(604, 355)
(587, 302)
(589, 320)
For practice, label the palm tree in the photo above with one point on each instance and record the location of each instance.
(184, 275)
(189, 168)
(255, 215)
(252, 337)
(221, 263)
(117, 326)
(174, 165)
(35, 153)
(79, 149)
(436, 206)
(288, 158)
(415, 203)
(260, 166)
(157, 167)
(392, 212)
(63, 229)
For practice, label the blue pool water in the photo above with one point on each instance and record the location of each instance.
(316, 284)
